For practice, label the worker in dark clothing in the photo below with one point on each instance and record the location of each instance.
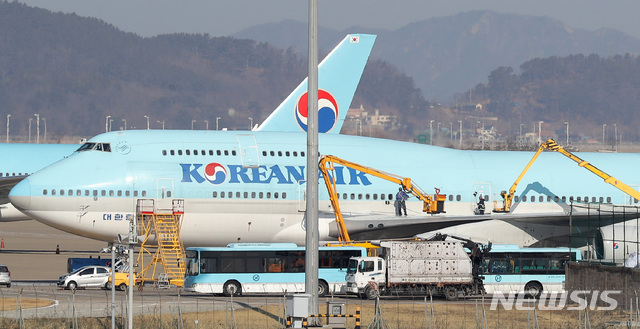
(400, 203)
(480, 206)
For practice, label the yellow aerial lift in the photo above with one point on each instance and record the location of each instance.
(553, 146)
(432, 204)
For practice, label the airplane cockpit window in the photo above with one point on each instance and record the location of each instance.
(104, 147)
(86, 147)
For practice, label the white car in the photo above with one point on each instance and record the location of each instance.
(5, 275)
(85, 277)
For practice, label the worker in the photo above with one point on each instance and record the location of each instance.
(481, 207)
(400, 203)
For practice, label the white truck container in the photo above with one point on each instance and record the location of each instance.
(415, 268)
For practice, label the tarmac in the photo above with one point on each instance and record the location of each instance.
(28, 248)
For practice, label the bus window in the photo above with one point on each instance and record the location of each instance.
(274, 264)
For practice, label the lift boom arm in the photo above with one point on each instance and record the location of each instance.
(553, 146)
(432, 205)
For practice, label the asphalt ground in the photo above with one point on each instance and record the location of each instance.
(28, 248)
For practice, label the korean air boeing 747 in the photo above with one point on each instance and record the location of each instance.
(249, 186)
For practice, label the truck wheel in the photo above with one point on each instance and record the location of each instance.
(451, 293)
(371, 292)
(533, 290)
(231, 288)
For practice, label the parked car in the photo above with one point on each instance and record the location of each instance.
(122, 281)
(85, 277)
(5, 275)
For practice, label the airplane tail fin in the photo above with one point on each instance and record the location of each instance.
(338, 76)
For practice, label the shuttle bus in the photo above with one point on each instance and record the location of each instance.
(509, 268)
(264, 268)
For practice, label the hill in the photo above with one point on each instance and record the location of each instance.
(81, 74)
(447, 55)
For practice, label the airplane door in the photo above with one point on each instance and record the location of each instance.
(248, 150)
(483, 189)
(302, 195)
(164, 190)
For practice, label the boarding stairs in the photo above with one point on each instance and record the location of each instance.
(160, 242)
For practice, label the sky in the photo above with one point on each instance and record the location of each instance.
(222, 18)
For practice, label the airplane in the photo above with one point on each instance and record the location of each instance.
(18, 161)
(249, 186)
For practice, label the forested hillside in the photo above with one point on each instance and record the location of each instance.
(589, 90)
(76, 71)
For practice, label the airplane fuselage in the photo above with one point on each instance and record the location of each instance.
(250, 186)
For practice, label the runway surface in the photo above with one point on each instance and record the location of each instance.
(30, 250)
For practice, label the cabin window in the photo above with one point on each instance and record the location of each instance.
(103, 193)
(556, 198)
(246, 195)
(119, 192)
(284, 195)
(264, 153)
(218, 152)
(233, 152)
(127, 193)
(226, 152)
(268, 195)
(302, 153)
(210, 152)
(111, 193)
(275, 195)
(295, 153)
(187, 152)
(272, 153)
(375, 196)
(353, 196)
(179, 152)
(578, 199)
(238, 195)
(135, 193)
(260, 195)
(253, 195)
(53, 191)
(515, 198)
(214, 194)
(287, 153)
(541, 198)
(608, 199)
(195, 152)
(172, 152)
(164, 152)
(279, 153)
(44, 192)
(61, 192)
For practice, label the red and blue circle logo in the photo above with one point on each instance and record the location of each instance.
(327, 111)
(215, 173)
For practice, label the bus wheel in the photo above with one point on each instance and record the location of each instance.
(323, 288)
(231, 288)
(451, 293)
(533, 290)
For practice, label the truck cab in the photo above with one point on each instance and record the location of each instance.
(365, 275)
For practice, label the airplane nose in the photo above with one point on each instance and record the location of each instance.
(20, 195)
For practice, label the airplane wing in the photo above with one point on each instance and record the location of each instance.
(374, 227)
(6, 184)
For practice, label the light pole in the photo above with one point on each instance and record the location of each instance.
(567, 123)
(482, 134)
(162, 123)
(615, 135)
(37, 128)
(451, 130)
(146, 116)
(30, 129)
(44, 121)
(192, 122)
(206, 124)
(106, 124)
(125, 123)
(539, 132)
(460, 132)
(604, 126)
(110, 124)
(522, 124)
(431, 132)
(8, 119)
(250, 123)
(217, 120)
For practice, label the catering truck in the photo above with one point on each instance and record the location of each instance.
(418, 268)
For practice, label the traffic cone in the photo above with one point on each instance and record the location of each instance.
(2, 244)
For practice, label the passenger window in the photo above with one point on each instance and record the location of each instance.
(302, 153)
(172, 152)
(253, 195)
(179, 152)
(144, 193)
(111, 193)
(601, 199)
(187, 152)
(222, 194)
(359, 196)
(61, 192)
(279, 153)
(295, 154)
(608, 199)
(286, 153)
(44, 192)
(268, 195)
(375, 196)
(119, 192)
(70, 193)
(238, 195)
(458, 197)
(135, 193)
(353, 196)
(53, 192)
(218, 152)
(233, 152)
(164, 152)
(541, 198)
(78, 192)
(127, 193)
(275, 195)
(195, 152)
(210, 152)
(260, 195)
(95, 192)
(103, 193)
(284, 195)
(214, 194)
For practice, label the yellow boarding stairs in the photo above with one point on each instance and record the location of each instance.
(160, 243)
